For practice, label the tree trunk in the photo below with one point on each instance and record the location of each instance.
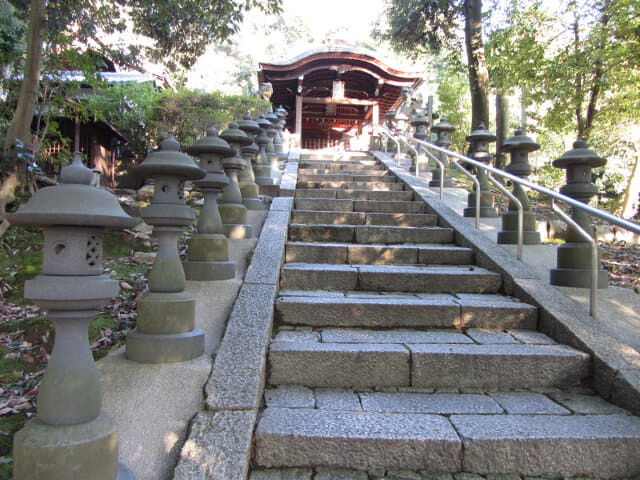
(628, 203)
(502, 128)
(20, 127)
(478, 72)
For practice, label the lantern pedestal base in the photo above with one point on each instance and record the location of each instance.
(165, 348)
(485, 212)
(209, 270)
(251, 196)
(253, 203)
(85, 450)
(574, 267)
(263, 175)
(509, 233)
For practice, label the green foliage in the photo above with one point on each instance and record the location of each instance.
(453, 103)
(12, 31)
(189, 113)
(422, 27)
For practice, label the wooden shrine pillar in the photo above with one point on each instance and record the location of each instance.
(375, 116)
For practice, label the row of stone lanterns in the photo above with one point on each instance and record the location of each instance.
(574, 256)
(71, 437)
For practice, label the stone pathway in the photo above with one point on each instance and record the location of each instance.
(395, 356)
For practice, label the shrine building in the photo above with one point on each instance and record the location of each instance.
(334, 91)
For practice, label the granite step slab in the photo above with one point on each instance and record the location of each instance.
(364, 218)
(377, 254)
(351, 165)
(391, 206)
(497, 366)
(601, 446)
(358, 440)
(384, 195)
(348, 170)
(338, 177)
(349, 185)
(389, 278)
(364, 234)
(374, 310)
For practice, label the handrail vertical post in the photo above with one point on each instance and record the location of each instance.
(520, 208)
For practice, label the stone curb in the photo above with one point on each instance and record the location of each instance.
(219, 442)
(289, 179)
(616, 366)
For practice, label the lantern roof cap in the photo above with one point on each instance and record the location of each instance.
(579, 155)
(211, 143)
(520, 141)
(443, 126)
(233, 134)
(73, 203)
(481, 133)
(169, 160)
(248, 125)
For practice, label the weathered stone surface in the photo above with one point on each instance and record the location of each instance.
(528, 403)
(327, 218)
(237, 377)
(338, 364)
(496, 366)
(339, 474)
(540, 444)
(393, 336)
(585, 404)
(482, 314)
(297, 336)
(324, 204)
(337, 399)
(532, 337)
(444, 255)
(381, 255)
(310, 276)
(315, 193)
(269, 252)
(436, 403)
(401, 219)
(218, 446)
(402, 475)
(387, 234)
(438, 311)
(321, 233)
(290, 396)
(489, 337)
(282, 474)
(377, 206)
(434, 279)
(281, 204)
(316, 253)
(360, 440)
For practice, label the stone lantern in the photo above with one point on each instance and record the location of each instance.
(442, 129)
(208, 254)
(262, 169)
(71, 437)
(246, 178)
(276, 143)
(232, 209)
(519, 146)
(479, 140)
(420, 123)
(389, 122)
(166, 314)
(574, 257)
(282, 113)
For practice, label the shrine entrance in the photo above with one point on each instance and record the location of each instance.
(333, 94)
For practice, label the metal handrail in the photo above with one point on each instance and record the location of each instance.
(391, 137)
(441, 168)
(554, 196)
(518, 203)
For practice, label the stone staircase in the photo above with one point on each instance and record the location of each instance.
(395, 356)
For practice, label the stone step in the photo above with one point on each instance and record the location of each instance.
(361, 440)
(348, 205)
(350, 165)
(377, 254)
(602, 446)
(344, 171)
(426, 359)
(389, 278)
(350, 185)
(369, 234)
(363, 218)
(400, 195)
(336, 177)
(375, 310)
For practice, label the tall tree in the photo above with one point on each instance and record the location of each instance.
(418, 27)
(176, 33)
